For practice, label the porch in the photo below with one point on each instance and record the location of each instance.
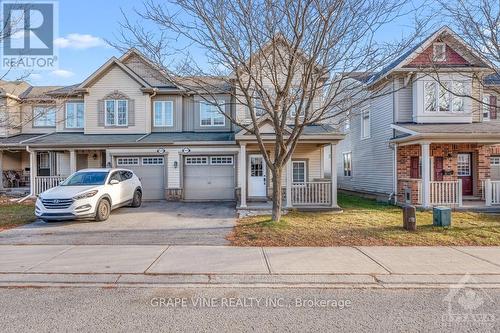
(50, 168)
(304, 183)
(458, 175)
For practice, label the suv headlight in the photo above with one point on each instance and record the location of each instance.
(89, 194)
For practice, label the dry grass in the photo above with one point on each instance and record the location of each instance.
(14, 214)
(364, 222)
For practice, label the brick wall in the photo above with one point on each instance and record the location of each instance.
(425, 58)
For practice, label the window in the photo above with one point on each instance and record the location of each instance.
(196, 160)
(122, 161)
(126, 175)
(221, 160)
(486, 107)
(116, 112)
(298, 171)
(152, 161)
(463, 165)
(210, 115)
(297, 96)
(439, 52)
(444, 96)
(44, 116)
(347, 164)
(163, 113)
(495, 160)
(256, 167)
(115, 176)
(347, 123)
(365, 124)
(74, 114)
(43, 162)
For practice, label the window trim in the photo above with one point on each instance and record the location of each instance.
(212, 122)
(160, 160)
(449, 93)
(496, 159)
(434, 53)
(363, 134)
(223, 157)
(189, 159)
(115, 102)
(35, 117)
(485, 107)
(75, 103)
(304, 162)
(350, 163)
(170, 120)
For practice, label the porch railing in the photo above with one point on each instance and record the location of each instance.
(311, 193)
(446, 193)
(43, 183)
(492, 192)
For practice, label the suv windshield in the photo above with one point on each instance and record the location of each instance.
(86, 178)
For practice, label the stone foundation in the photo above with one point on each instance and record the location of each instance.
(173, 194)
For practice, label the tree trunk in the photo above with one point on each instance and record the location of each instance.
(277, 194)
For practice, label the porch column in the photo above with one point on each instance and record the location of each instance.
(426, 175)
(243, 175)
(288, 184)
(33, 172)
(72, 161)
(1, 169)
(333, 173)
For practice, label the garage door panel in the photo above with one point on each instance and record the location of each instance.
(209, 182)
(152, 179)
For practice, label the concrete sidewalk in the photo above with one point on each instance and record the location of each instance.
(223, 265)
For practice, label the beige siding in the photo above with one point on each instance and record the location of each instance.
(116, 80)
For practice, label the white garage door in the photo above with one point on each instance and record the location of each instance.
(209, 177)
(151, 172)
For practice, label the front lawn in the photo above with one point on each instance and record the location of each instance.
(14, 214)
(364, 222)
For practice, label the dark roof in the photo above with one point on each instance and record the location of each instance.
(492, 79)
(17, 139)
(81, 139)
(67, 90)
(171, 137)
(319, 129)
(474, 128)
(40, 92)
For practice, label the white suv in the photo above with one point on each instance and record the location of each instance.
(90, 193)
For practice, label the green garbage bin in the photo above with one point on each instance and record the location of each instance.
(441, 217)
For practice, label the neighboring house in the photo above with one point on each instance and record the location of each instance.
(415, 142)
(128, 114)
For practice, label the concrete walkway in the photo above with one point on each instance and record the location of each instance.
(222, 265)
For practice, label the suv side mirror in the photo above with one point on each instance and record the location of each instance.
(113, 182)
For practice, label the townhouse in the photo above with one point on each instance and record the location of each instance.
(430, 135)
(128, 114)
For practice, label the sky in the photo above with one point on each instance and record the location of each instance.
(84, 27)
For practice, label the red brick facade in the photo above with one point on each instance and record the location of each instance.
(480, 165)
(425, 58)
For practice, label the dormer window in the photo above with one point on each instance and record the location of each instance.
(439, 52)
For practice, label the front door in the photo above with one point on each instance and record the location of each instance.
(256, 176)
(82, 161)
(464, 166)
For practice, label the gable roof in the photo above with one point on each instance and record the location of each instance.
(422, 46)
(113, 61)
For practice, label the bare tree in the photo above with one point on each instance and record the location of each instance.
(288, 61)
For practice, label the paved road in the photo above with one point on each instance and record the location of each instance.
(127, 309)
(157, 222)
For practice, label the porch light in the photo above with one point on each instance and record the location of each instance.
(175, 164)
(94, 157)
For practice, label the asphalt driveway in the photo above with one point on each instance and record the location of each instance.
(156, 222)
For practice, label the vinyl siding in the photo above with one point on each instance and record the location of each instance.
(117, 80)
(404, 99)
(372, 158)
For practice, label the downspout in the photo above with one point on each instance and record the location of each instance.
(32, 194)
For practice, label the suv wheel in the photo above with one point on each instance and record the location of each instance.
(103, 210)
(137, 200)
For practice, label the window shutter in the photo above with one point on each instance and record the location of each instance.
(100, 113)
(414, 167)
(493, 107)
(131, 112)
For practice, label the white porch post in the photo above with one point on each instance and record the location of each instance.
(1, 170)
(289, 180)
(243, 175)
(487, 192)
(72, 161)
(426, 175)
(333, 173)
(33, 172)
